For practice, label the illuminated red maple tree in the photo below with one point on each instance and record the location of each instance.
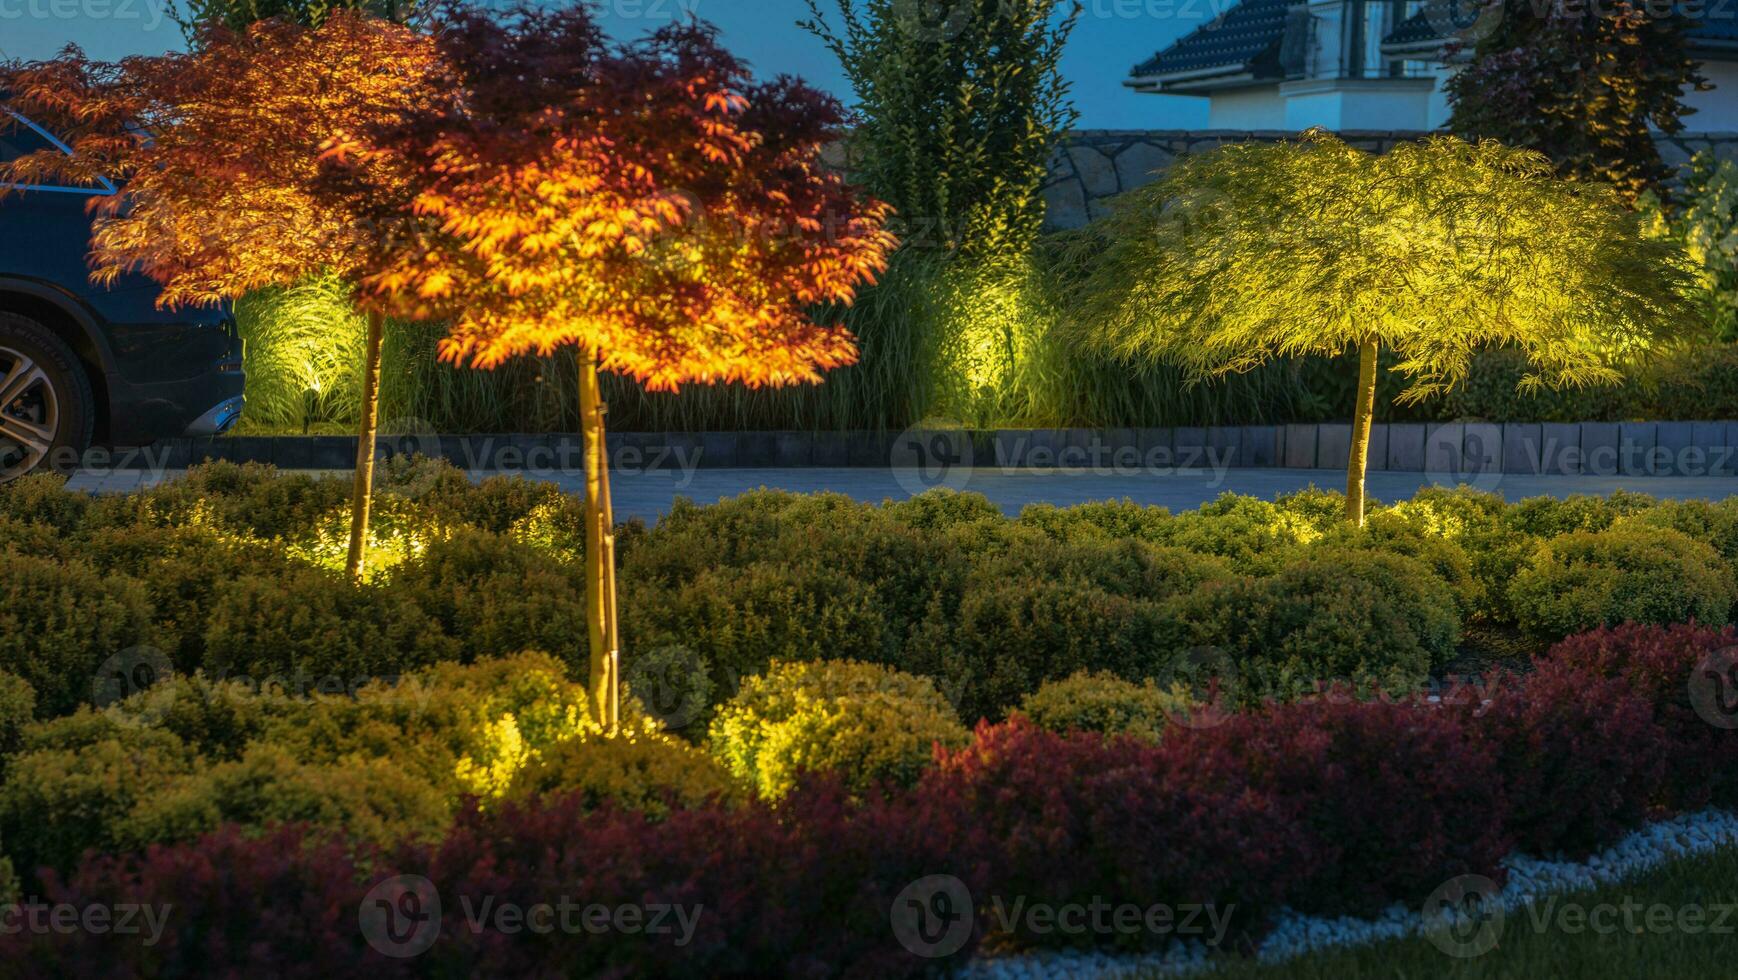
(224, 183)
(649, 204)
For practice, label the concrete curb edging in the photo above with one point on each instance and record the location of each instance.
(1455, 449)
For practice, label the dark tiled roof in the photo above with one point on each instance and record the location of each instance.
(1413, 30)
(1721, 23)
(1247, 36)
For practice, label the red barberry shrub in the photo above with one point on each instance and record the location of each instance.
(1685, 673)
(1580, 757)
(1077, 819)
(801, 891)
(1391, 797)
(233, 906)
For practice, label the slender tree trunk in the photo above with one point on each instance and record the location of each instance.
(1359, 459)
(600, 553)
(363, 495)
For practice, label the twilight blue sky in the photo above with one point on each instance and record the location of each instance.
(1113, 35)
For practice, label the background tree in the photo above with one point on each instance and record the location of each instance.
(1431, 251)
(196, 17)
(1702, 215)
(959, 105)
(220, 155)
(1582, 83)
(648, 204)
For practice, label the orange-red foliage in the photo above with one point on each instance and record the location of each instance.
(220, 152)
(647, 202)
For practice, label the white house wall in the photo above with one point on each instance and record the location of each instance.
(1716, 111)
(1246, 108)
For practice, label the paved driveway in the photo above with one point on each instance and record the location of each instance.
(648, 494)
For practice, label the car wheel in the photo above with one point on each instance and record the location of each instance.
(47, 409)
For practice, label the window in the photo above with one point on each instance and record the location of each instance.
(21, 136)
(15, 143)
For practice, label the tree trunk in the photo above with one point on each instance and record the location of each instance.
(1359, 458)
(600, 554)
(362, 495)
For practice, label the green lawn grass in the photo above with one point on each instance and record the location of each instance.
(1529, 951)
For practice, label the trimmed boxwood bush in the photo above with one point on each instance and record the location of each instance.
(371, 799)
(739, 620)
(1255, 536)
(496, 596)
(1007, 637)
(641, 771)
(1380, 621)
(181, 570)
(1110, 519)
(1095, 701)
(1631, 573)
(60, 620)
(1387, 532)
(865, 723)
(58, 801)
(17, 708)
(310, 625)
(385, 762)
(237, 568)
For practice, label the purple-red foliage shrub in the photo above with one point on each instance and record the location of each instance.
(1580, 757)
(1070, 819)
(1391, 798)
(1685, 674)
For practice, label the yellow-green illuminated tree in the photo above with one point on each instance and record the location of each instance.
(1425, 254)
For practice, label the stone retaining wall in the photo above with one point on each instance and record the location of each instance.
(1096, 164)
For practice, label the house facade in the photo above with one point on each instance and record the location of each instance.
(1368, 65)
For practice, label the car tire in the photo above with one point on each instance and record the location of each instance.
(47, 408)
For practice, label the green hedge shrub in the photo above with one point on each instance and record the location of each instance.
(1257, 537)
(639, 771)
(1714, 524)
(17, 708)
(181, 570)
(1376, 620)
(1007, 637)
(42, 498)
(738, 620)
(866, 723)
(389, 762)
(1107, 519)
(1386, 532)
(1096, 701)
(236, 570)
(496, 596)
(1632, 573)
(310, 625)
(59, 621)
(60, 800)
(373, 799)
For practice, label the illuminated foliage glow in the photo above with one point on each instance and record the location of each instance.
(649, 203)
(1433, 250)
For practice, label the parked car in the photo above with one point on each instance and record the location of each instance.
(84, 365)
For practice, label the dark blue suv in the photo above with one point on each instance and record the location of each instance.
(84, 365)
